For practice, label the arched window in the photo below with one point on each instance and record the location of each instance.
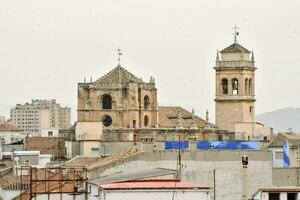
(146, 120)
(146, 102)
(235, 87)
(224, 86)
(106, 102)
(246, 86)
(250, 86)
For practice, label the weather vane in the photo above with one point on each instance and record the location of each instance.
(119, 56)
(236, 33)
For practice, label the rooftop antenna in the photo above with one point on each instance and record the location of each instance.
(236, 33)
(119, 56)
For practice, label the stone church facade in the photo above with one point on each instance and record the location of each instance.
(119, 100)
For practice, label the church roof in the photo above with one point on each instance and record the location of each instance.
(119, 75)
(235, 47)
(168, 116)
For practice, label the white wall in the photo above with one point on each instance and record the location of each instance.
(150, 194)
(11, 136)
(8, 194)
(57, 196)
(88, 130)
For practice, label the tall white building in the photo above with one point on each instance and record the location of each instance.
(40, 114)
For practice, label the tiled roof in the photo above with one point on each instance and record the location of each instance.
(113, 158)
(119, 75)
(8, 127)
(168, 117)
(82, 161)
(280, 138)
(235, 47)
(14, 182)
(153, 184)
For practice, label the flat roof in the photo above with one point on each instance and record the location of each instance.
(153, 184)
(133, 175)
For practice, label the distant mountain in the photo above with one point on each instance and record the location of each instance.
(282, 119)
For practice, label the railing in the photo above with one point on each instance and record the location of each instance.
(235, 97)
(234, 64)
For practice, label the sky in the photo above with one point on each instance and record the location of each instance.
(47, 47)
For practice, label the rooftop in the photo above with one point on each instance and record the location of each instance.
(280, 138)
(8, 127)
(119, 75)
(235, 47)
(168, 117)
(153, 184)
(135, 175)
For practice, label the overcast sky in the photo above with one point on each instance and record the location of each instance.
(47, 46)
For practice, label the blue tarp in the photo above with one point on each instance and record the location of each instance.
(176, 145)
(228, 145)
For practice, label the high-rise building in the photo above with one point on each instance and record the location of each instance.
(40, 114)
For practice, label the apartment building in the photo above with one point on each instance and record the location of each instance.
(40, 114)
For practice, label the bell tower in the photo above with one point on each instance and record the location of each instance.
(235, 91)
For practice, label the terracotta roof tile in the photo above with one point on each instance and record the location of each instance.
(280, 138)
(117, 75)
(153, 184)
(235, 47)
(168, 116)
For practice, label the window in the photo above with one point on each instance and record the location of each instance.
(250, 109)
(106, 120)
(235, 87)
(291, 196)
(146, 120)
(26, 162)
(246, 86)
(220, 137)
(224, 86)
(278, 155)
(250, 87)
(106, 102)
(146, 102)
(274, 196)
(133, 123)
(50, 134)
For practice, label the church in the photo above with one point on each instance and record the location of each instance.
(119, 107)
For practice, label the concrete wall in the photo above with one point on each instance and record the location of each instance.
(8, 194)
(9, 137)
(108, 148)
(54, 146)
(161, 195)
(88, 130)
(199, 167)
(286, 176)
(72, 149)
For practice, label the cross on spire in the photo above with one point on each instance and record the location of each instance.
(119, 56)
(236, 33)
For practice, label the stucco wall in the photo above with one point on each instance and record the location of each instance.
(199, 167)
